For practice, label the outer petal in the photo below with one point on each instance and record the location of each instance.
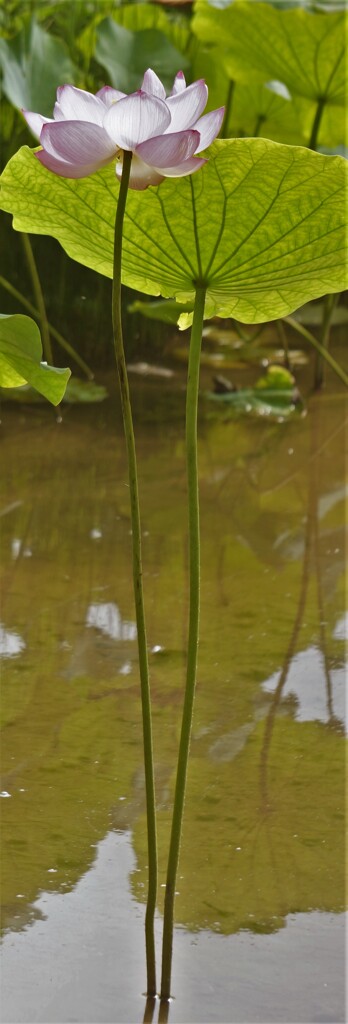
(152, 84)
(78, 142)
(76, 104)
(36, 122)
(179, 83)
(186, 106)
(108, 95)
(136, 118)
(187, 167)
(208, 127)
(64, 169)
(58, 113)
(141, 174)
(169, 150)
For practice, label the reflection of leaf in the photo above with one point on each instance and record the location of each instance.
(20, 355)
(77, 392)
(126, 55)
(274, 394)
(303, 50)
(275, 237)
(33, 64)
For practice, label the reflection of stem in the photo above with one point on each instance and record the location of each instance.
(149, 1009)
(287, 661)
(40, 302)
(194, 572)
(228, 108)
(56, 334)
(317, 345)
(329, 305)
(316, 124)
(163, 1015)
(137, 579)
(322, 631)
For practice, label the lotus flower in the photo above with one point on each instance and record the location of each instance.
(164, 133)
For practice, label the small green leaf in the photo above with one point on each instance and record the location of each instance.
(33, 64)
(275, 395)
(263, 225)
(166, 310)
(20, 355)
(126, 55)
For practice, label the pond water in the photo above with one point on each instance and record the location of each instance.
(259, 910)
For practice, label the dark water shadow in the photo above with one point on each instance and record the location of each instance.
(311, 563)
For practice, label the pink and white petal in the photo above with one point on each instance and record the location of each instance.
(152, 84)
(63, 168)
(169, 150)
(179, 83)
(78, 142)
(208, 127)
(108, 95)
(187, 167)
(141, 175)
(186, 106)
(58, 113)
(77, 104)
(36, 122)
(136, 118)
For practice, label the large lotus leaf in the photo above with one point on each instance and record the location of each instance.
(137, 17)
(20, 355)
(126, 55)
(254, 109)
(33, 64)
(302, 49)
(262, 225)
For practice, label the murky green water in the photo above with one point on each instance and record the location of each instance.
(261, 882)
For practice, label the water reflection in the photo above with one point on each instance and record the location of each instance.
(265, 804)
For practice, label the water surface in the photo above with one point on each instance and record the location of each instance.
(261, 887)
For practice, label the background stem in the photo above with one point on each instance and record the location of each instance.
(40, 302)
(137, 580)
(319, 348)
(329, 305)
(55, 334)
(194, 554)
(313, 142)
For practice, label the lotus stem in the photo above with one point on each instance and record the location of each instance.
(194, 573)
(137, 580)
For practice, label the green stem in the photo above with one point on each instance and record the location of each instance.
(40, 302)
(137, 580)
(329, 305)
(56, 334)
(316, 124)
(194, 550)
(319, 348)
(228, 108)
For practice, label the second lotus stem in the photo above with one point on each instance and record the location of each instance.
(137, 580)
(194, 573)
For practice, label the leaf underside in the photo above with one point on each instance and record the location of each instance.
(262, 225)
